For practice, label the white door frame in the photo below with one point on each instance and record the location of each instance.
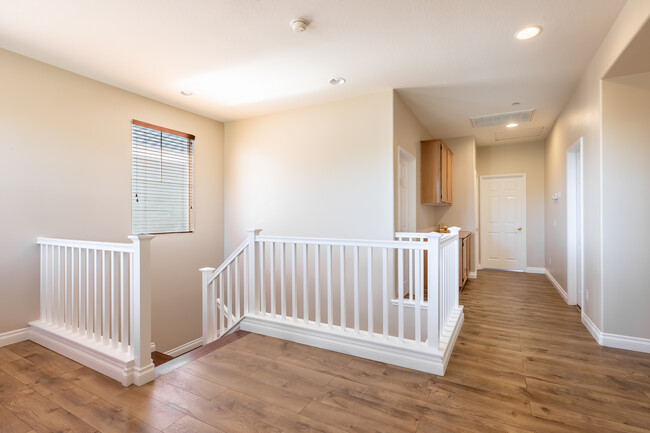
(403, 155)
(575, 241)
(524, 217)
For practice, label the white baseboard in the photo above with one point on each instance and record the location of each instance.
(11, 337)
(472, 275)
(592, 328)
(534, 270)
(184, 348)
(102, 358)
(557, 286)
(616, 340)
(361, 345)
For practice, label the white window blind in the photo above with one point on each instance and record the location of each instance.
(161, 179)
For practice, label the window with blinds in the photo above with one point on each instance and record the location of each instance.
(161, 179)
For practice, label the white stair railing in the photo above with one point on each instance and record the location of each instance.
(344, 295)
(95, 305)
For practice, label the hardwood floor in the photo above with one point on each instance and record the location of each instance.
(523, 363)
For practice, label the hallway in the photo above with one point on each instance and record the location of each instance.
(522, 363)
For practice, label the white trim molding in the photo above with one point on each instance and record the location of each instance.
(557, 286)
(16, 336)
(112, 363)
(472, 275)
(184, 348)
(617, 341)
(534, 270)
(405, 355)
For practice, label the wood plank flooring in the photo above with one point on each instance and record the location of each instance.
(523, 363)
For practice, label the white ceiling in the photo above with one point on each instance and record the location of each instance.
(449, 59)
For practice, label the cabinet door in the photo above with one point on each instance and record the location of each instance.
(445, 174)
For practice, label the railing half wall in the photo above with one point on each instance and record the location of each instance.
(95, 305)
(359, 297)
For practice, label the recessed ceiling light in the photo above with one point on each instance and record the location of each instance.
(187, 93)
(512, 125)
(528, 32)
(338, 81)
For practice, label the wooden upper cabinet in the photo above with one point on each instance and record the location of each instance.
(436, 170)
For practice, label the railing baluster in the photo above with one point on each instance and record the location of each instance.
(400, 294)
(66, 310)
(329, 288)
(385, 292)
(237, 301)
(272, 266)
(106, 301)
(305, 295)
(370, 312)
(45, 308)
(124, 296)
(214, 309)
(88, 312)
(229, 304)
(116, 306)
(59, 307)
(417, 298)
(222, 317)
(410, 274)
(283, 294)
(317, 284)
(262, 292)
(246, 279)
(342, 286)
(97, 299)
(355, 256)
(294, 313)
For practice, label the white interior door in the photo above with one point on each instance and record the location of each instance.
(575, 216)
(503, 222)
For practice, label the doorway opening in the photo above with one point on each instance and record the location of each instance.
(406, 194)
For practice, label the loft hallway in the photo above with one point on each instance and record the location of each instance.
(522, 362)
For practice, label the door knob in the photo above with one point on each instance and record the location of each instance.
(519, 228)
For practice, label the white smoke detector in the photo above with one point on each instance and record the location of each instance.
(299, 25)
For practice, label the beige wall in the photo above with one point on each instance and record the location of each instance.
(581, 117)
(323, 171)
(462, 213)
(65, 172)
(521, 158)
(407, 134)
(626, 200)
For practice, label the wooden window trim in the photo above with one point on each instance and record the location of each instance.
(163, 129)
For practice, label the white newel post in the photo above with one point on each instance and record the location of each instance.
(208, 305)
(456, 263)
(141, 309)
(433, 289)
(253, 299)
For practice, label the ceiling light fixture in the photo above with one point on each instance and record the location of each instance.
(187, 93)
(528, 32)
(512, 125)
(338, 81)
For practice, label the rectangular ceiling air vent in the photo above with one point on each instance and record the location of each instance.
(502, 118)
